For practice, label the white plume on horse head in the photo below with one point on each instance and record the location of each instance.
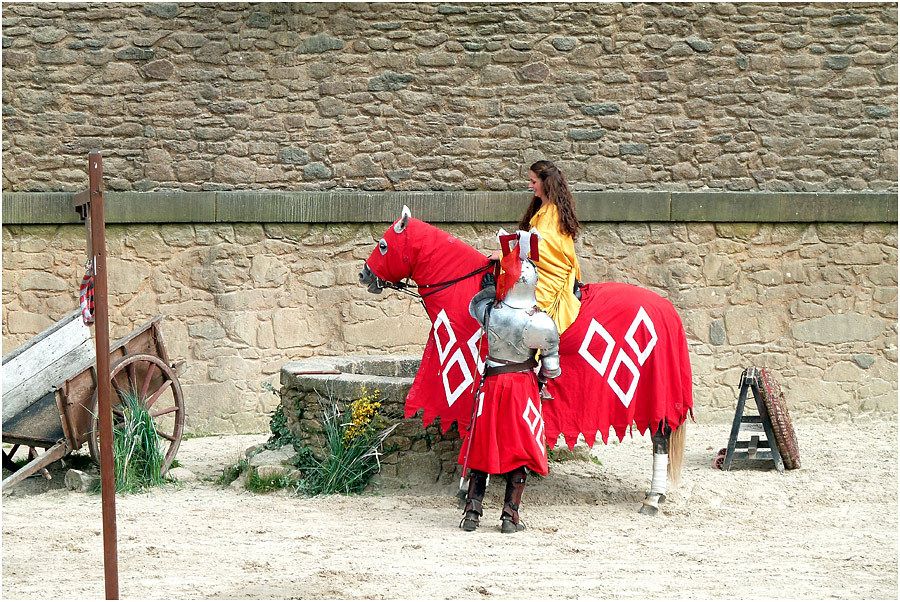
(401, 223)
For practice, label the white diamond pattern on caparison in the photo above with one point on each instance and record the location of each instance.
(622, 359)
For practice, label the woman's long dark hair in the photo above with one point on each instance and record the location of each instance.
(556, 189)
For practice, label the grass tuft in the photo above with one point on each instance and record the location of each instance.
(230, 473)
(136, 448)
(352, 450)
(267, 484)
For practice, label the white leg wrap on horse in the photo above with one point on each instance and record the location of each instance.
(660, 470)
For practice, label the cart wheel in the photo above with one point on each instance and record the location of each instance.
(8, 463)
(154, 382)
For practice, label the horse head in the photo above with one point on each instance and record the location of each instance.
(389, 263)
(413, 249)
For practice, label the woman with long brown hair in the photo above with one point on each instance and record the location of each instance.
(552, 213)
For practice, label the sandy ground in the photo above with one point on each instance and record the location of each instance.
(828, 530)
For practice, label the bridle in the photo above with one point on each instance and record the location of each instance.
(436, 287)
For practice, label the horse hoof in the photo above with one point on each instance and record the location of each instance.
(648, 510)
(662, 496)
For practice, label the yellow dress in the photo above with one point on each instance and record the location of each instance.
(557, 268)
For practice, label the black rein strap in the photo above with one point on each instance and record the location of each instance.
(436, 287)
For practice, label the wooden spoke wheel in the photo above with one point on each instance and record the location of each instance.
(152, 381)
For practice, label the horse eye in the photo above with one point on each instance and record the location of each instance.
(382, 246)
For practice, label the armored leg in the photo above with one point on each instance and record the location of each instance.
(659, 480)
(474, 498)
(515, 487)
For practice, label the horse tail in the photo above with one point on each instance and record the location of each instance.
(676, 453)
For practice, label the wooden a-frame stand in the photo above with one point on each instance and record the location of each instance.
(756, 447)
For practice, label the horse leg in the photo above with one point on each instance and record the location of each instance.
(659, 480)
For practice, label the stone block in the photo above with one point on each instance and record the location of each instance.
(863, 360)
(270, 471)
(299, 327)
(48, 35)
(752, 325)
(161, 69)
(839, 328)
(77, 480)
(23, 322)
(389, 81)
(271, 457)
(564, 43)
(320, 43)
(235, 170)
(43, 281)
(843, 372)
(534, 72)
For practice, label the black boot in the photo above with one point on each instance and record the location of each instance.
(472, 513)
(515, 487)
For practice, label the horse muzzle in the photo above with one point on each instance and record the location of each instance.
(368, 279)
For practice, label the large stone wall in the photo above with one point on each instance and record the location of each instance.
(816, 303)
(216, 96)
(688, 97)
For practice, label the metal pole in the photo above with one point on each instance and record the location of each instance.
(101, 334)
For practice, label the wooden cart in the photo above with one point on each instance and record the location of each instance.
(50, 393)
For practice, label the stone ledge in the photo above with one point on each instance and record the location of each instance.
(342, 377)
(446, 207)
(784, 207)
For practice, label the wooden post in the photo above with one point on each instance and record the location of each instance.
(97, 243)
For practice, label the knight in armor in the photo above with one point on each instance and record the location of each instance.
(506, 435)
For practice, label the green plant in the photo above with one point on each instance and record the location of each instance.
(281, 434)
(266, 484)
(352, 449)
(233, 471)
(562, 453)
(138, 457)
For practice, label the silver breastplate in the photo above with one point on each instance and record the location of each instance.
(516, 329)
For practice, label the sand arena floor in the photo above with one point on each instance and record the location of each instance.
(826, 530)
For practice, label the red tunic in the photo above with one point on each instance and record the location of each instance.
(509, 427)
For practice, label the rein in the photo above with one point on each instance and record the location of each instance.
(404, 287)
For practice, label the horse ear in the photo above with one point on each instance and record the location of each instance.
(401, 224)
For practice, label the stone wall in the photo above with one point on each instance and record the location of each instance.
(398, 97)
(219, 96)
(412, 456)
(816, 303)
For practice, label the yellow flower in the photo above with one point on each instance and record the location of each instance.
(363, 412)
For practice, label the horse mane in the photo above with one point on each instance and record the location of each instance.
(440, 255)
